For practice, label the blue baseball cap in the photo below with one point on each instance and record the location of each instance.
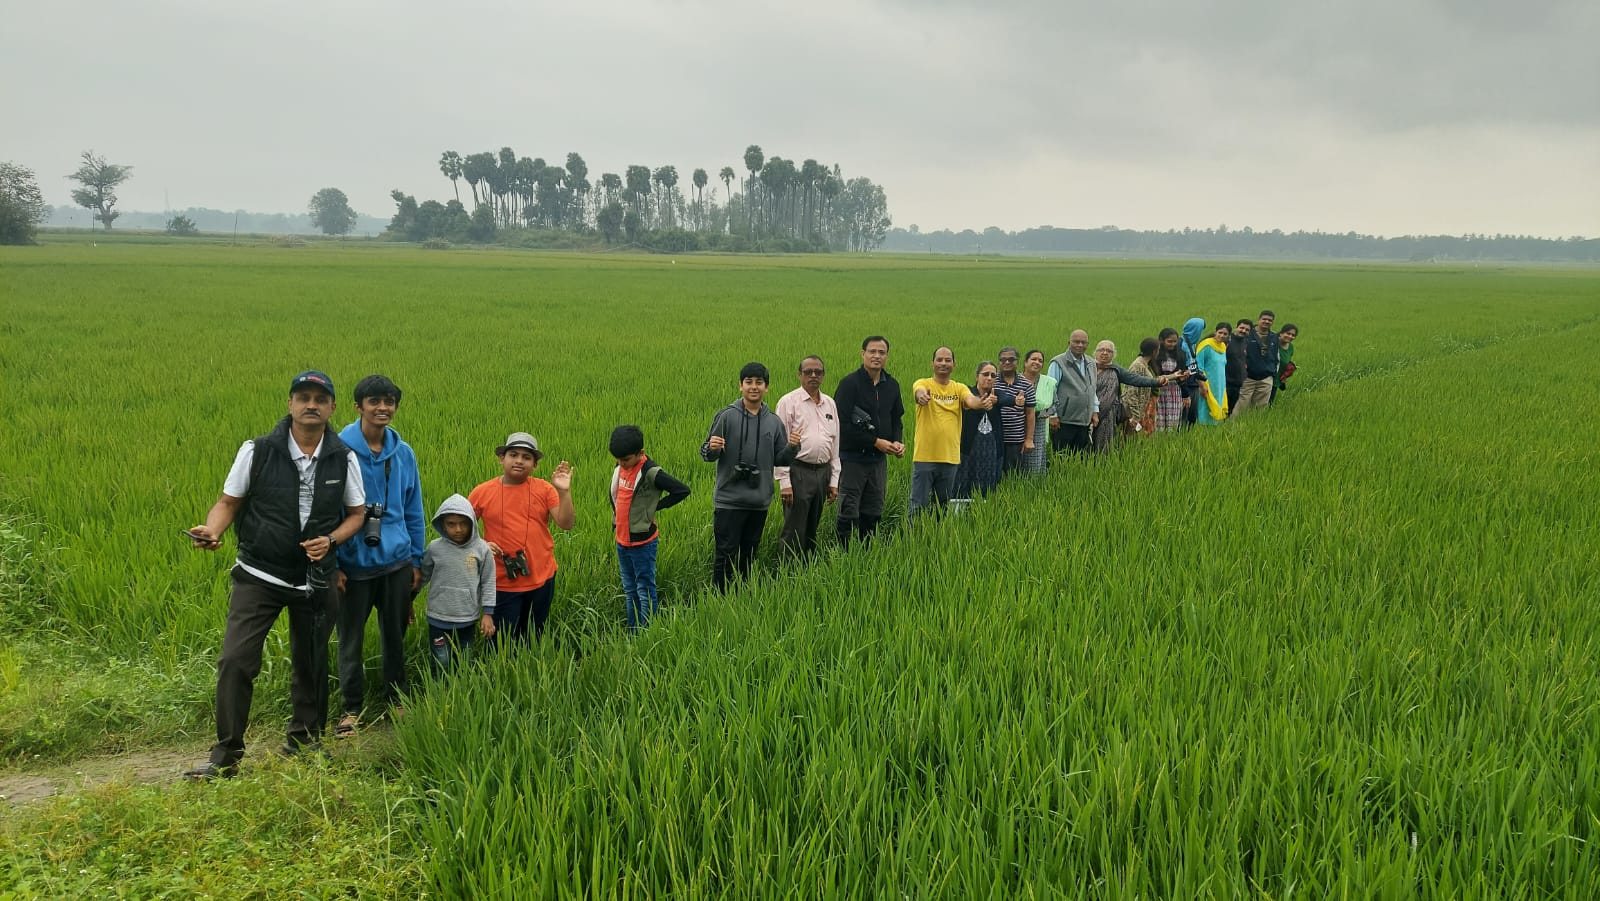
(315, 378)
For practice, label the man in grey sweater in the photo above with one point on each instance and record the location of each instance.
(1077, 405)
(746, 441)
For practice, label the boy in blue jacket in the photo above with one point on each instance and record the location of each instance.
(379, 568)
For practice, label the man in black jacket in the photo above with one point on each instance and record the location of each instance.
(293, 496)
(1241, 331)
(870, 431)
(1260, 365)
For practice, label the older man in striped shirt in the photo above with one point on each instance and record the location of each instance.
(812, 480)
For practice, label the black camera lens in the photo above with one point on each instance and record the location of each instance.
(372, 526)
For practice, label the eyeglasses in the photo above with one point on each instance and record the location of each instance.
(1008, 359)
(811, 372)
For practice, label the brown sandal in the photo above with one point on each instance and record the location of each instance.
(347, 726)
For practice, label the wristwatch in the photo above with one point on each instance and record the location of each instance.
(332, 541)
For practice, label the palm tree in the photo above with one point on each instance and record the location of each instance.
(700, 179)
(450, 165)
(667, 178)
(753, 160)
(727, 176)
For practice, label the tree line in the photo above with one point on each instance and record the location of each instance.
(779, 205)
(1245, 242)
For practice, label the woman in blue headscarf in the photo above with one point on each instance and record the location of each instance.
(1194, 388)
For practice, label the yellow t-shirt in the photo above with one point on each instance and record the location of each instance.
(938, 436)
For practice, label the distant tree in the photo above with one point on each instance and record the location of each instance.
(632, 225)
(182, 226)
(666, 177)
(753, 160)
(477, 168)
(482, 229)
(22, 207)
(609, 221)
(330, 212)
(100, 181)
(450, 164)
(700, 179)
(728, 175)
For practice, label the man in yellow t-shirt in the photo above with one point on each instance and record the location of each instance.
(937, 453)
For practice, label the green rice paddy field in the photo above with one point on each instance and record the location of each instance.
(1343, 648)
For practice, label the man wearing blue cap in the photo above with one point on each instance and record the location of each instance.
(295, 494)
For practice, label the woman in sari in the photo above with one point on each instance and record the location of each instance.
(1108, 379)
(1170, 401)
(981, 437)
(1211, 395)
(1044, 388)
(1140, 403)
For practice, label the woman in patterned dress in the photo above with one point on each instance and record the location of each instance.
(1169, 399)
(1044, 387)
(980, 440)
(1141, 402)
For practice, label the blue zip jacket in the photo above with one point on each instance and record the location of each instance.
(404, 540)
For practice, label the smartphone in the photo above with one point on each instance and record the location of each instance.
(194, 537)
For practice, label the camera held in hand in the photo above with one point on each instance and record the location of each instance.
(746, 474)
(372, 526)
(516, 564)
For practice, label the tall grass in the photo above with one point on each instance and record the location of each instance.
(1341, 649)
(1344, 647)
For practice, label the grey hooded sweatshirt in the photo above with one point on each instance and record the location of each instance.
(460, 577)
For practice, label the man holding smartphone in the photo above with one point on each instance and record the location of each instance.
(295, 494)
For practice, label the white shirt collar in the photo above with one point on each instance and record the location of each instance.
(296, 454)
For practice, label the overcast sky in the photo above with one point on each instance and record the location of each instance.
(1382, 116)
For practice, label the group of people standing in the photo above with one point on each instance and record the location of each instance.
(331, 528)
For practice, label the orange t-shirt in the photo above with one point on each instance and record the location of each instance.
(518, 516)
(627, 484)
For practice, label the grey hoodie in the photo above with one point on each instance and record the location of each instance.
(756, 439)
(460, 577)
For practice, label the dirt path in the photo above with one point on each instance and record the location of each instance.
(144, 766)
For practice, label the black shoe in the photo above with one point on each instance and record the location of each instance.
(295, 749)
(208, 771)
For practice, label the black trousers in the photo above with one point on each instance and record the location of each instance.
(1070, 437)
(252, 609)
(390, 596)
(800, 518)
(514, 609)
(737, 534)
(861, 490)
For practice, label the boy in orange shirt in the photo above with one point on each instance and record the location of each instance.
(639, 488)
(515, 511)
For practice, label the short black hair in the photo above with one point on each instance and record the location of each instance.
(1244, 322)
(625, 440)
(871, 338)
(377, 386)
(1290, 327)
(1267, 313)
(754, 370)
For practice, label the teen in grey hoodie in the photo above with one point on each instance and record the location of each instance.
(746, 441)
(459, 571)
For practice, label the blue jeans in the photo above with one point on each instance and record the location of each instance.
(638, 565)
(451, 647)
(937, 480)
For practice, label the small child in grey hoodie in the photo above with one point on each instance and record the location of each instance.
(459, 570)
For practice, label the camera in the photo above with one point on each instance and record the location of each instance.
(746, 474)
(516, 564)
(372, 526)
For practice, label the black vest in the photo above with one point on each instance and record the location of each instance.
(268, 524)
